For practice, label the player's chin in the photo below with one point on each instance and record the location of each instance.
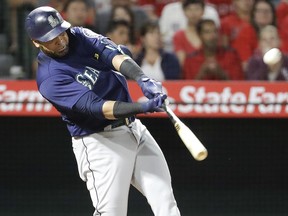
(63, 52)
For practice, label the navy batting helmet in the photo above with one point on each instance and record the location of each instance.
(45, 23)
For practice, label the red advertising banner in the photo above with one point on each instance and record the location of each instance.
(21, 98)
(187, 98)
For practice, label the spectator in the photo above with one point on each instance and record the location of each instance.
(122, 12)
(15, 7)
(213, 61)
(150, 10)
(263, 14)
(158, 5)
(57, 4)
(60, 4)
(275, 2)
(187, 40)
(19, 46)
(232, 24)
(154, 61)
(76, 12)
(102, 5)
(119, 32)
(282, 10)
(282, 22)
(103, 17)
(284, 34)
(169, 24)
(223, 7)
(257, 69)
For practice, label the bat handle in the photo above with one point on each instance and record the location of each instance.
(170, 113)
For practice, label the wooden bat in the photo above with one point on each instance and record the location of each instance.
(193, 144)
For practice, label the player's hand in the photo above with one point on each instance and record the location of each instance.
(150, 87)
(155, 104)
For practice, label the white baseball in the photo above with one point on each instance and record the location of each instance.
(272, 56)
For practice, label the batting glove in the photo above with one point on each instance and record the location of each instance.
(150, 87)
(154, 104)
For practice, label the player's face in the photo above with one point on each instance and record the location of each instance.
(57, 47)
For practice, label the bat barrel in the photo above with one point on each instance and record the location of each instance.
(201, 155)
(196, 148)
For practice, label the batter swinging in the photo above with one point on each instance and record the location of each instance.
(82, 74)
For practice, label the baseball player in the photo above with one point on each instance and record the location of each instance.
(83, 75)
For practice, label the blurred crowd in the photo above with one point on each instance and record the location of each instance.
(169, 39)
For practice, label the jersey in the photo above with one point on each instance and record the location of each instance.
(86, 67)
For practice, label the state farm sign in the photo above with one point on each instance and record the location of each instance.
(226, 99)
(187, 99)
(236, 102)
(22, 98)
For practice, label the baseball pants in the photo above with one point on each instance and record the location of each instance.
(110, 161)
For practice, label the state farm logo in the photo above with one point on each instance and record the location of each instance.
(256, 99)
(22, 101)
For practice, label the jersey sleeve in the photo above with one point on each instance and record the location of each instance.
(62, 91)
(101, 47)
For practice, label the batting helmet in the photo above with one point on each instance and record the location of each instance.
(45, 23)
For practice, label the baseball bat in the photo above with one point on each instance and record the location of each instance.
(193, 144)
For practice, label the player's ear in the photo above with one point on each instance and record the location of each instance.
(36, 44)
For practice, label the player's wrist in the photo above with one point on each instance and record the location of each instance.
(141, 79)
(155, 104)
(125, 109)
(130, 69)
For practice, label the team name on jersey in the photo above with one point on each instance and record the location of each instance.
(89, 77)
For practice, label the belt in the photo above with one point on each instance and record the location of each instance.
(118, 123)
(114, 124)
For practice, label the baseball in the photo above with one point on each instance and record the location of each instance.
(272, 56)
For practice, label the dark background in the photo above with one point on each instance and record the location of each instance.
(245, 173)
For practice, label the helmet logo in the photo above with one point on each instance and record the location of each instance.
(53, 21)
